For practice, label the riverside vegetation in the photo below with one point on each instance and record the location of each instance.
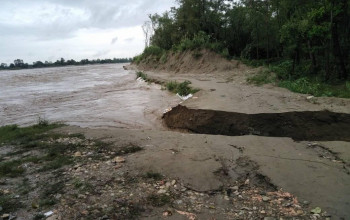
(303, 44)
(183, 89)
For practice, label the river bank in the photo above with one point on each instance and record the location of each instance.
(126, 173)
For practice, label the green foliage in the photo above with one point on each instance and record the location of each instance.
(159, 200)
(182, 89)
(11, 168)
(9, 204)
(316, 88)
(261, 78)
(306, 37)
(142, 75)
(153, 175)
(15, 134)
(153, 51)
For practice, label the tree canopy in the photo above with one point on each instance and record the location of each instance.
(306, 37)
(19, 64)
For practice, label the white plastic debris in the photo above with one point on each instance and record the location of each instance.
(140, 79)
(310, 97)
(48, 214)
(184, 97)
(167, 110)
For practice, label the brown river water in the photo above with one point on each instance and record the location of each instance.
(87, 96)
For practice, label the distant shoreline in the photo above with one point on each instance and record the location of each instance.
(18, 68)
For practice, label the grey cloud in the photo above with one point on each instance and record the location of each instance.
(101, 53)
(114, 40)
(102, 14)
(36, 24)
(129, 39)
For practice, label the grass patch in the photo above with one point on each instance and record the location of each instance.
(56, 163)
(262, 77)
(182, 89)
(11, 168)
(12, 134)
(39, 216)
(154, 175)
(159, 200)
(9, 204)
(128, 150)
(316, 88)
(141, 75)
(24, 188)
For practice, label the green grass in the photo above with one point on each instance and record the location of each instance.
(159, 200)
(9, 204)
(182, 89)
(279, 74)
(316, 88)
(142, 75)
(154, 175)
(35, 137)
(11, 168)
(262, 77)
(128, 150)
(13, 134)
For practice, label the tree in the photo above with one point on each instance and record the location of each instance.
(147, 31)
(18, 63)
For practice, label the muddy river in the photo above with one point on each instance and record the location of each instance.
(87, 96)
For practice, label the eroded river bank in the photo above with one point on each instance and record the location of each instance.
(121, 163)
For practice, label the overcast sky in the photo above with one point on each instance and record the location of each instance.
(35, 30)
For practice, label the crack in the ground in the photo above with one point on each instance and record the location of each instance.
(307, 125)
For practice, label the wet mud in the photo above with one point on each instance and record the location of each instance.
(305, 125)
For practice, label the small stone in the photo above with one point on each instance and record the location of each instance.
(167, 213)
(77, 154)
(226, 198)
(306, 202)
(265, 198)
(247, 182)
(316, 210)
(234, 188)
(161, 191)
(173, 182)
(178, 202)
(310, 97)
(118, 160)
(168, 184)
(85, 212)
(300, 212)
(269, 218)
(262, 212)
(5, 216)
(6, 191)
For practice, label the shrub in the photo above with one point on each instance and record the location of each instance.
(142, 75)
(262, 77)
(182, 89)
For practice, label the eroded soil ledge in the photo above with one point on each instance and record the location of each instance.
(305, 125)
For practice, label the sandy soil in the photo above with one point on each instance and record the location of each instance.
(206, 176)
(312, 170)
